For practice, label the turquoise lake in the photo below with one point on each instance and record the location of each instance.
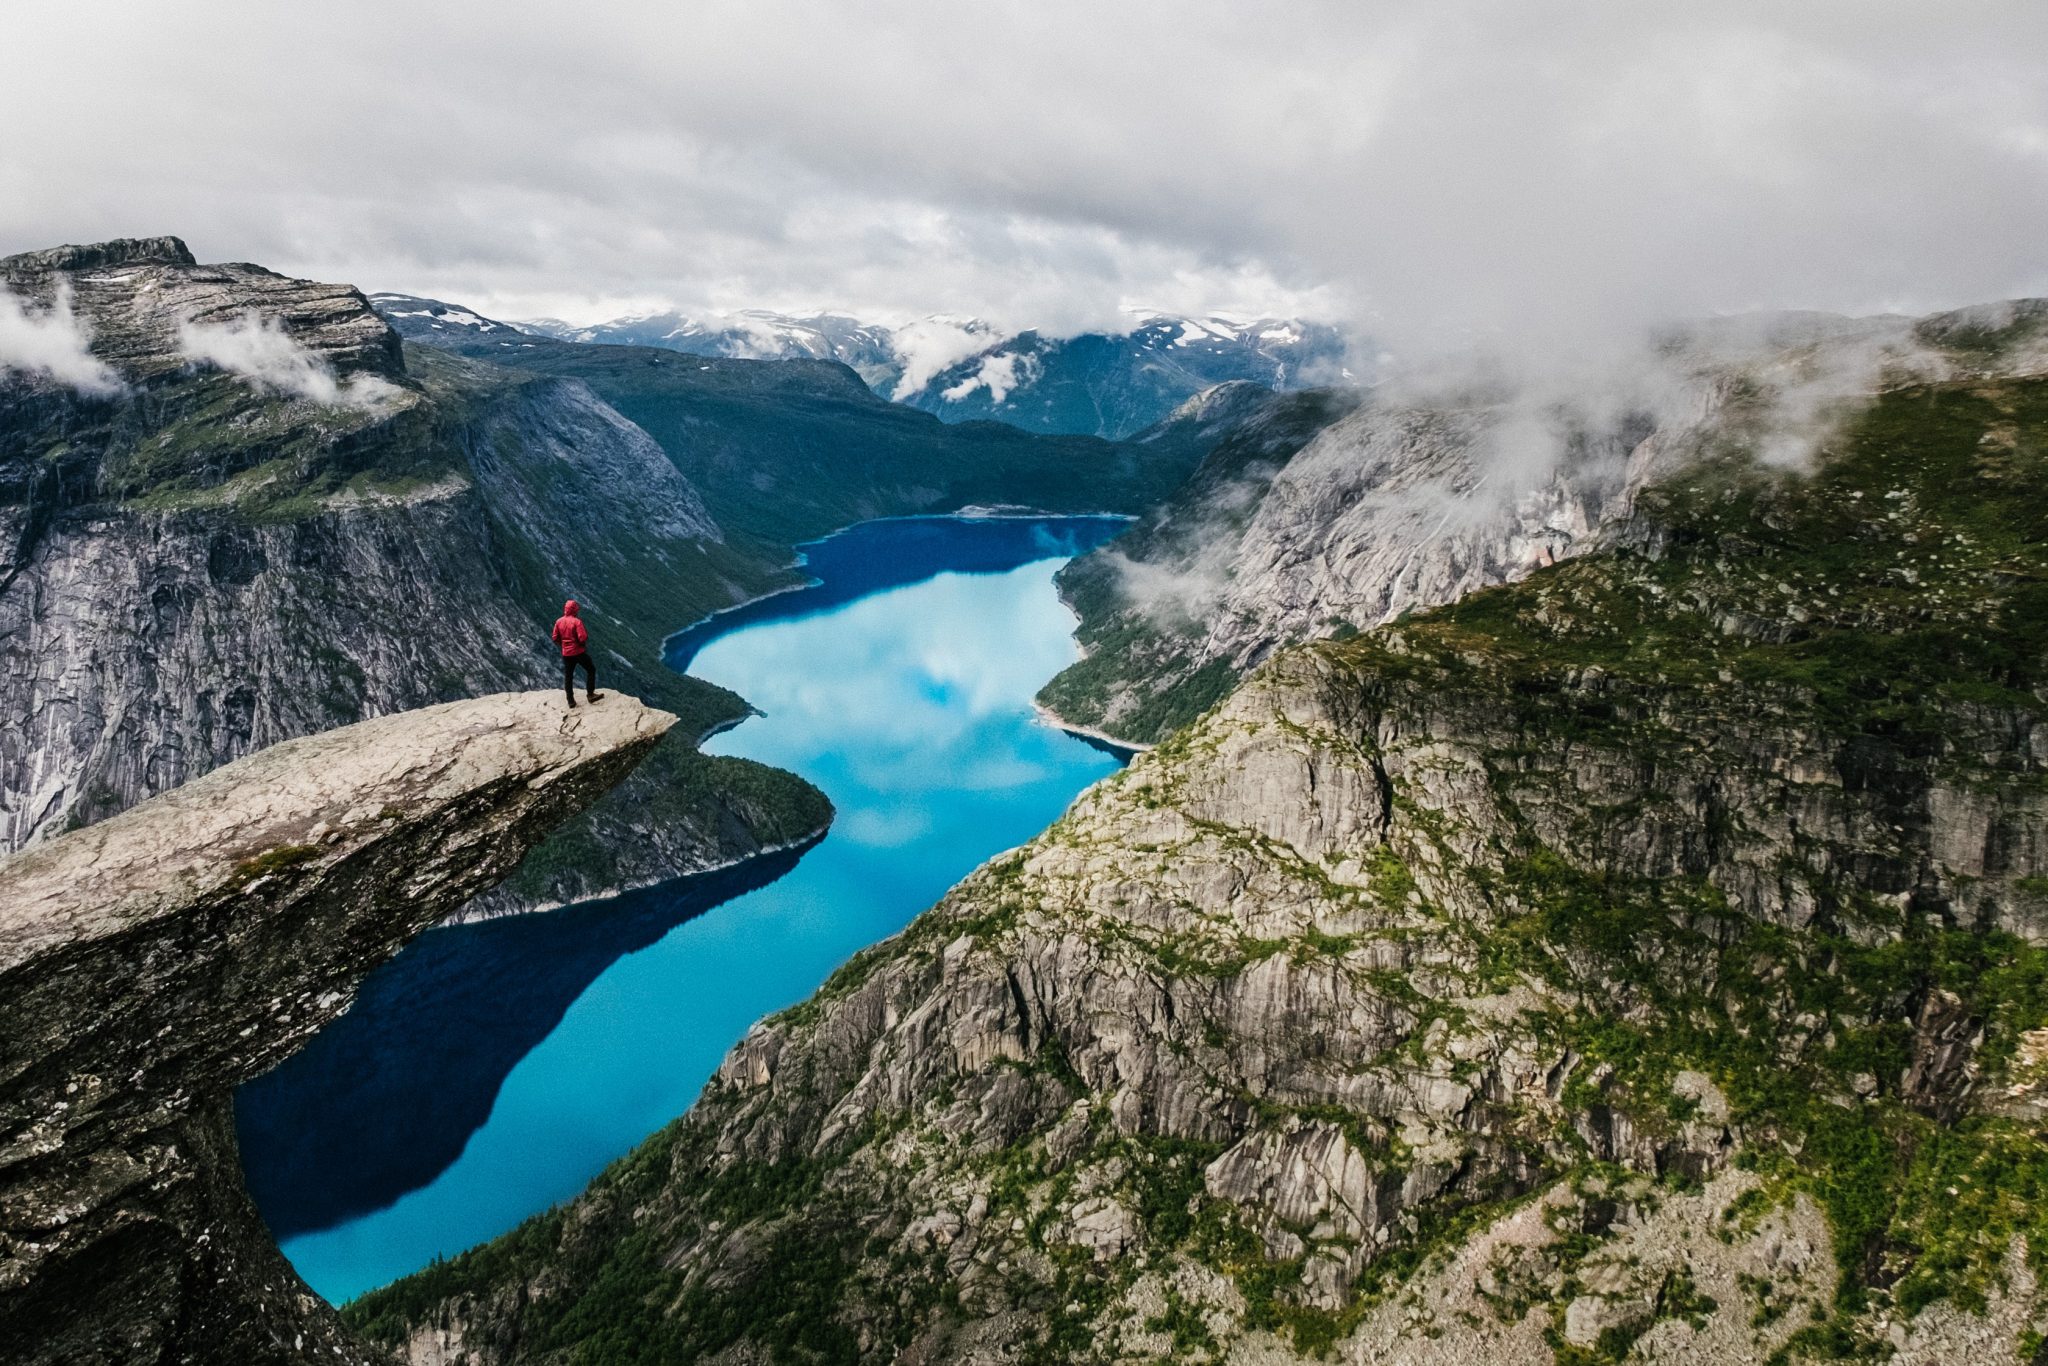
(490, 1070)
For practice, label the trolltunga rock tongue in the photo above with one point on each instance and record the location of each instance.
(151, 963)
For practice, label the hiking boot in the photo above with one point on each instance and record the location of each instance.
(593, 696)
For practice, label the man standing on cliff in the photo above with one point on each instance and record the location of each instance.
(574, 638)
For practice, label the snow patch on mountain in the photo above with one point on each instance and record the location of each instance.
(420, 319)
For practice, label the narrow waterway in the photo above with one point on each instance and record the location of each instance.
(491, 1070)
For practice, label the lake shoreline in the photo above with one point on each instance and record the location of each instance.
(1052, 718)
(535, 1049)
(976, 513)
(766, 851)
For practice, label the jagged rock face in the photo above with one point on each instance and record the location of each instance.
(153, 962)
(145, 645)
(148, 648)
(1387, 510)
(1419, 999)
(1401, 507)
(1141, 599)
(198, 566)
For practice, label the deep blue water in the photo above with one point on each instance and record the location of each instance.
(489, 1071)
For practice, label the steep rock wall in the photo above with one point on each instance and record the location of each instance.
(1407, 503)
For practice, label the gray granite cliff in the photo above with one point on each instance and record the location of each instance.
(154, 961)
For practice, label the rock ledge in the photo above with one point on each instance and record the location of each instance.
(151, 963)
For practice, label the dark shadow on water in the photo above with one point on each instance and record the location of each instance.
(384, 1099)
(897, 551)
(1123, 754)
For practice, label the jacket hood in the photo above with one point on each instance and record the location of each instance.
(569, 608)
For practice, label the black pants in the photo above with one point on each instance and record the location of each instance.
(569, 663)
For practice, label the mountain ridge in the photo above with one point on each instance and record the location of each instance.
(1111, 384)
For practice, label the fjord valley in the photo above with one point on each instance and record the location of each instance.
(494, 1068)
(241, 509)
(1632, 955)
(1581, 897)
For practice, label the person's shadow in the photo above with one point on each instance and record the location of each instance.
(384, 1099)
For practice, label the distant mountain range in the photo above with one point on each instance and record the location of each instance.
(753, 334)
(1118, 384)
(1108, 384)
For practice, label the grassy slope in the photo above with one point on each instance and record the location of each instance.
(1899, 590)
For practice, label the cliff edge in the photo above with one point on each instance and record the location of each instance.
(154, 961)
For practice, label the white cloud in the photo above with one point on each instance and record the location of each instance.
(999, 375)
(926, 346)
(1438, 170)
(52, 344)
(259, 350)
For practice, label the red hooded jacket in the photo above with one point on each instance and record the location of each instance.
(570, 633)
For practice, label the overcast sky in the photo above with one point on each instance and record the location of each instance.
(1431, 169)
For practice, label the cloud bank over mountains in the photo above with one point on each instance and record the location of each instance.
(1552, 176)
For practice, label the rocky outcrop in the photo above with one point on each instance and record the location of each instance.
(136, 294)
(1642, 957)
(1142, 600)
(151, 963)
(205, 564)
